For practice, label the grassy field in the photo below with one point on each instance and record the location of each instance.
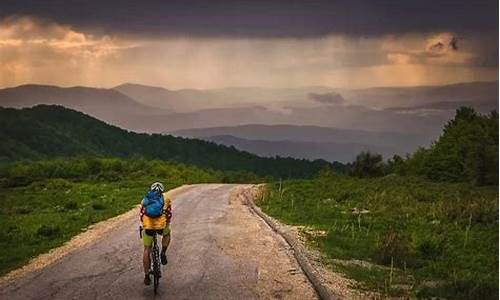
(43, 204)
(420, 239)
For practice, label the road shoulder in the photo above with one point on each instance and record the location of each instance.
(278, 274)
(328, 284)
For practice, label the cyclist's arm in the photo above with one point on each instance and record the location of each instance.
(168, 213)
(141, 210)
(168, 210)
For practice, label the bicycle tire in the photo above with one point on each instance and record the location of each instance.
(155, 253)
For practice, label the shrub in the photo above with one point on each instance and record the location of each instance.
(368, 165)
(94, 166)
(59, 184)
(17, 181)
(48, 231)
(429, 249)
(24, 210)
(98, 206)
(392, 245)
(71, 205)
(109, 176)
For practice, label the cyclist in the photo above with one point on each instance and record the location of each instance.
(155, 213)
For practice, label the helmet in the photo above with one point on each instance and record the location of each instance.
(157, 187)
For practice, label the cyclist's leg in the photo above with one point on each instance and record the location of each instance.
(146, 260)
(165, 240)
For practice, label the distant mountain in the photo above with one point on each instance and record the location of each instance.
(54, 131)
(153, 96)
(410, 111)
(328, 143)
(329, 151)
(420, 110)
(480, 95)
(109, 105)
(189, 100)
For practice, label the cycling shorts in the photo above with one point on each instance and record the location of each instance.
(147, 237)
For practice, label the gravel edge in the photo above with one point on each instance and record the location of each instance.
(312, 274)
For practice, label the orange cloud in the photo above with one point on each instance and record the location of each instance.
(37, 51)
(437, 49)
(56, 53)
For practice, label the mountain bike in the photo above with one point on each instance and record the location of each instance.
(155, 259)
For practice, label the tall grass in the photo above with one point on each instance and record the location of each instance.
(423, 238)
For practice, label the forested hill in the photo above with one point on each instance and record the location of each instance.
(53, 131)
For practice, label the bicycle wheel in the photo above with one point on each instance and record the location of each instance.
(155, 253)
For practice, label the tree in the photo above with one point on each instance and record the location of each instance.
(368, 165)
(466, 151)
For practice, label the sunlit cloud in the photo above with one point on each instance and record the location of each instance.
(41, 51)
(36, 50)
(435, 49)
(29, 32)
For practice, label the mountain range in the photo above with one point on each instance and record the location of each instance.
(105, 104)
(308, 141)
(330, 151)
(390, 120)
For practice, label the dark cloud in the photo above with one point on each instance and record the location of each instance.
(328, 98)
(454, 43)
(437, 46)
(264, 18)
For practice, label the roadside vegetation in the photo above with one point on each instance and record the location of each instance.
(441, 239)
(45, 203)
(424, 226)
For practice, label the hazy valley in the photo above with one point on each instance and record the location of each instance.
(309, 122)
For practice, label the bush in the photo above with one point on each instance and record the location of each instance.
(429, 249)
(24, 210)
(368, 165)
(98, 206)
(48, 231)
(71, 205)
(392, 246)
(58, 184)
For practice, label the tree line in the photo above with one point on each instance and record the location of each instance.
(48, 131)
(466, 151)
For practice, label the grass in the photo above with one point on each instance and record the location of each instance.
(441, 239)
(39, 210)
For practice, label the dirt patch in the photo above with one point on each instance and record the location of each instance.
(278, 274)
(90, 234)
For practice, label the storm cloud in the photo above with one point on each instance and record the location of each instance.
(257, 19)
(214, 44)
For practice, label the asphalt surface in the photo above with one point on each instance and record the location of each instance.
(111, 267)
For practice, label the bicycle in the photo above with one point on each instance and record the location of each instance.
(155, 260)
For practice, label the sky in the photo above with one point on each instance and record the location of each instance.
(214, 44)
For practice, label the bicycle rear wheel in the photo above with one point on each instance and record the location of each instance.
(156, 265)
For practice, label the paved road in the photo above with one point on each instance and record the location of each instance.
(219, 250)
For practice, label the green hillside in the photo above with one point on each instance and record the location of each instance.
(54, 131)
